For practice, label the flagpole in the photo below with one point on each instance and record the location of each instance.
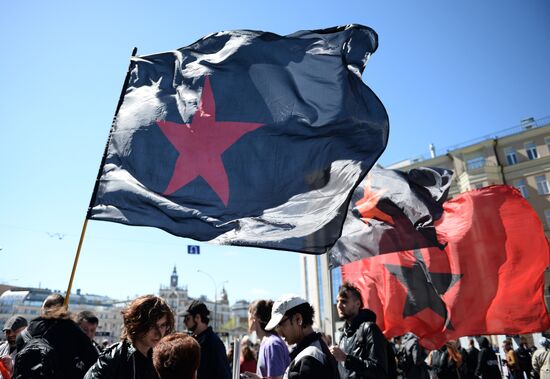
(96, 185)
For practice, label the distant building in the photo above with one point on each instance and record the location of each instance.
(178, 299)
(28, 301)
(519, 157)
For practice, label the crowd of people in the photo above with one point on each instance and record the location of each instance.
(59, 345)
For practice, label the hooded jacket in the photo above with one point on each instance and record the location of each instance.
(366, 348)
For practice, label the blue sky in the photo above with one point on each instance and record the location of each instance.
(447, 72)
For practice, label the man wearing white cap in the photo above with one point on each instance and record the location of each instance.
(292, 318)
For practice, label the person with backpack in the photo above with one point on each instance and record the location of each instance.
(411, 358)
(53, 345)
(146, 320)
(363, 351)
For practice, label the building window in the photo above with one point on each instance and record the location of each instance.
(547, 139)
(542, 185)
(475, 163)
(547, 216)
(511, 157)
(521, 186)
(531, 150)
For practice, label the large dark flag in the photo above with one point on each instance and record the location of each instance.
(489, 279)
(245, 138)
(392, 211)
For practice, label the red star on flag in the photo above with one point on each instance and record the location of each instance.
(200, 145)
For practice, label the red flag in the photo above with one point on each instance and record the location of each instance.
(488, 280)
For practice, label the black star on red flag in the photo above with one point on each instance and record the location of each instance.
(424, 287)
(476, 285)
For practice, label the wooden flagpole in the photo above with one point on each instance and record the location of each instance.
(96, 186)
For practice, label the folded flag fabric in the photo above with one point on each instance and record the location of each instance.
(245, 138)
(392, 211)
(489, 279)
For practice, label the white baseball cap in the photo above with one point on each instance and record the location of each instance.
(281, 306)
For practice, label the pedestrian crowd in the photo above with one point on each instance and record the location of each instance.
(59, 345)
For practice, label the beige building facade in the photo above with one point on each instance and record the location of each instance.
(519, 157)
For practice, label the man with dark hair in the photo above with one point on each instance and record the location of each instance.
(292, 317)
(177, 356)
(214, 364)
(12, 328)
(88, 323)
(363, 349)
(8, 350)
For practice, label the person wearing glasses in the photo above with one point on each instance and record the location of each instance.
(146, 320)
(214, 363)
(292, 318)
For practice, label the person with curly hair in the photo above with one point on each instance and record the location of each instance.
(146, 320)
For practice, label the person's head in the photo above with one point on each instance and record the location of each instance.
(196, 316)
(544, 342)
(292, 317)
(247, 354)
(471, 343)
(523, 341)
(146, 320)
(507, 345)
(484, 343)
(14, 326)
(54, 307)
(88, 323)
(259, 313)
(177, 356)
(349, 301)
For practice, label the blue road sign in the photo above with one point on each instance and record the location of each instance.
(193, 249)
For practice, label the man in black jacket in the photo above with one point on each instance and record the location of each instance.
(214, 363)
(363, 349)
(292, 317)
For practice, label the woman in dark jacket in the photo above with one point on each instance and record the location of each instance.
(487, 363)
(146, 320)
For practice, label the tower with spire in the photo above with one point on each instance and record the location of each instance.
(174, 278)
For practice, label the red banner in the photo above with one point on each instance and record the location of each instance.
(488, 280)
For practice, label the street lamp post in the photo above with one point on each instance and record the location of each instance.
(215, 297)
